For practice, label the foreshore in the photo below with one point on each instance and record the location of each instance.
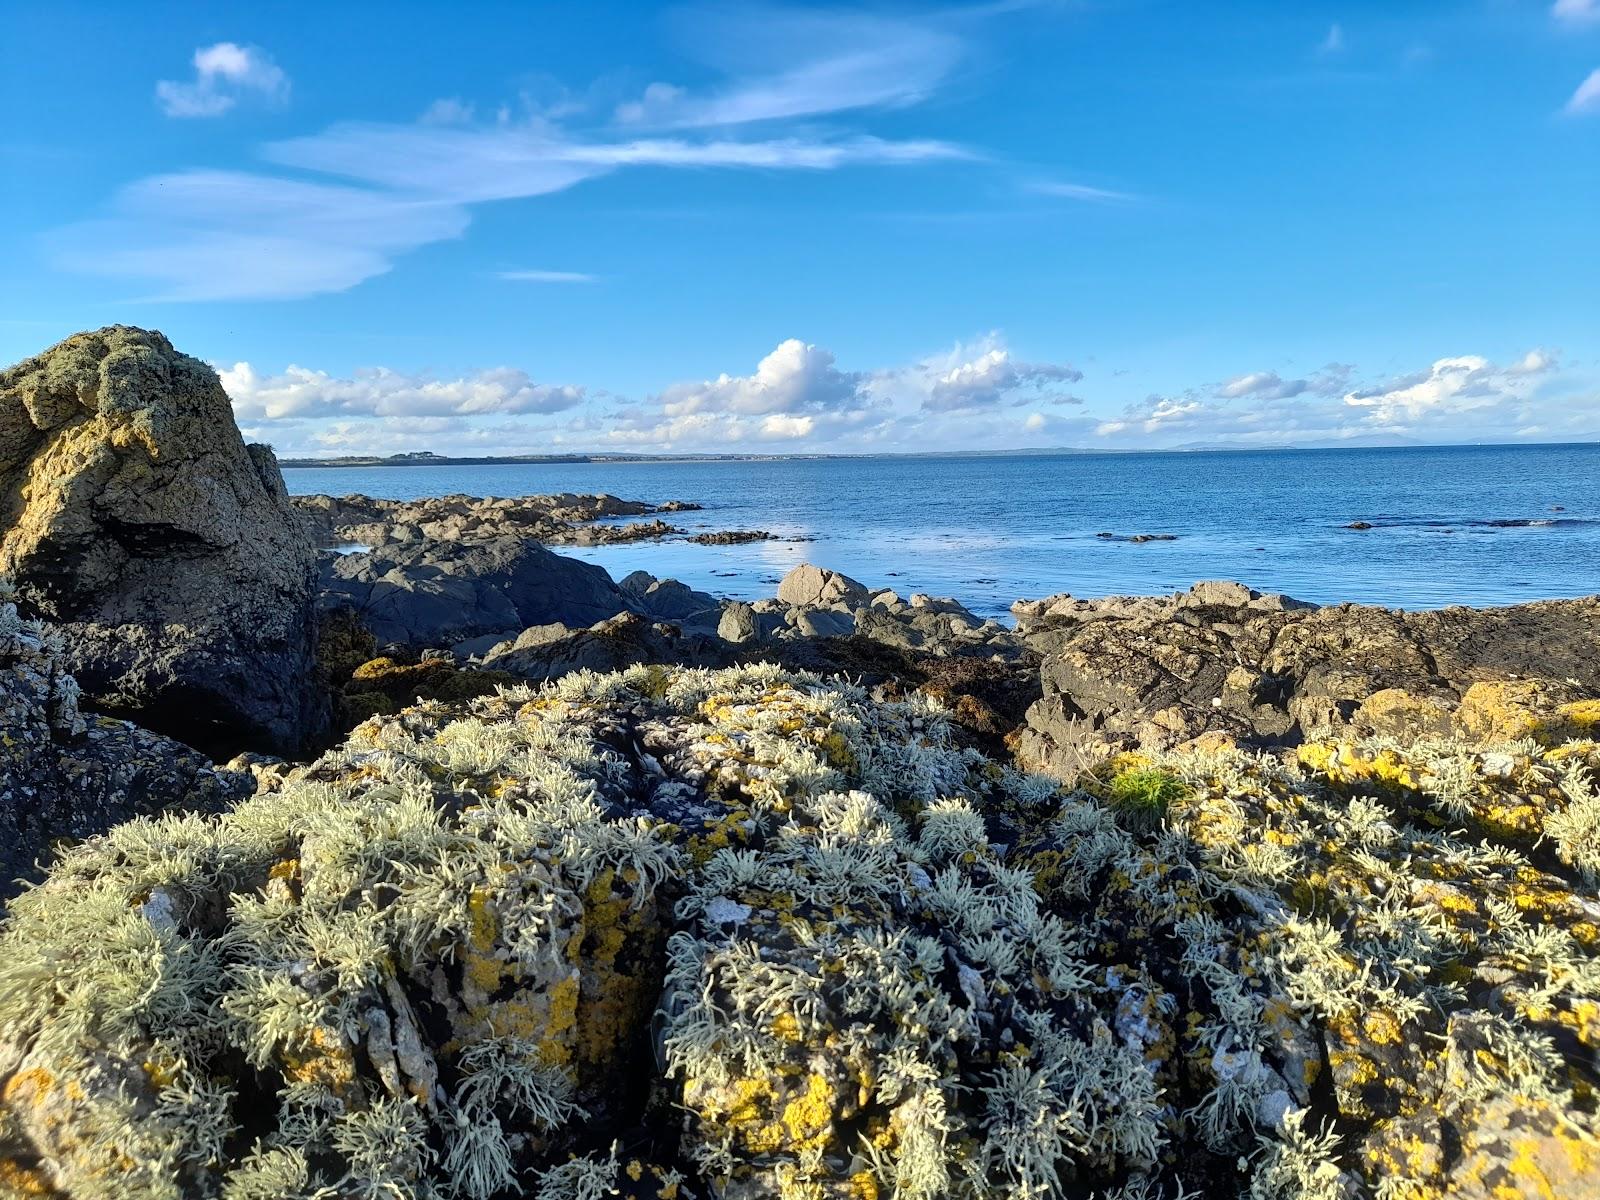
(374, 873)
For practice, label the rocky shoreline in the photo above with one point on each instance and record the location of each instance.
(370, 874)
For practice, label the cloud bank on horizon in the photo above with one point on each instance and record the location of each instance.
(272, 192)
(976, 395)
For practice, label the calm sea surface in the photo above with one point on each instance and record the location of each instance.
(1463, 525)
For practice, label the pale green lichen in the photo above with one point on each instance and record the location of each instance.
(877, 964)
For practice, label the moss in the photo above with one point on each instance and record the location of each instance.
(1140, 796)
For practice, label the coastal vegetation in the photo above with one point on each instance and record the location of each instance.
(524, 881)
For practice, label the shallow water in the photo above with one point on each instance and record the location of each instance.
(1458, 525)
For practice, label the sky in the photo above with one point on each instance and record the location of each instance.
(504, 228)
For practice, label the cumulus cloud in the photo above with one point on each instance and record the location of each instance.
(994, 378)
(1576, 12)
(300, 393)
(224, 74)
(1451, 387)
(1587, 98)
(796, 378)
(1269, 385)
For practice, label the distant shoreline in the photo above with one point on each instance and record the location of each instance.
(427, 459)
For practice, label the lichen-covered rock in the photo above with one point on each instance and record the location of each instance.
(67, 775)
(748, 933)
(1156, 672)
(163, 549)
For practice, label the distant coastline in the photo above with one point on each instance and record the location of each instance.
(426, 458)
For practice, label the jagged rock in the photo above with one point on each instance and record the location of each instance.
(66, 775)
(439, 593)
(807, 586)
(669, 600)
(549, 652)
(335, 520)
(1222, 659)
(163, 550)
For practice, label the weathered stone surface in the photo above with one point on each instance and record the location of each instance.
(549, 652)
(438, 593)
(1152, 673)
(808, 586)
(66, 775)
(164, 550)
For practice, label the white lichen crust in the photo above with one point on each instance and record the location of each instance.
(750, 933)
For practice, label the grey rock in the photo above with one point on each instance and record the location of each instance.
(440, 593)
(808, 586)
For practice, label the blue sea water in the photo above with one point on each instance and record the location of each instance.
(1459, 525)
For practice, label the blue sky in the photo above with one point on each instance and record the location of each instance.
(501, 228)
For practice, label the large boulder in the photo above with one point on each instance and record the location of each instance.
(440, 593)
(64, 774)
(164, 550)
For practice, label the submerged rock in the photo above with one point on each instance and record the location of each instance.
(162, 549)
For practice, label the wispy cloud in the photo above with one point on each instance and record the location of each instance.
(537, 276)
(791, 63)
(1587, 98)
(243, 235)
(1576, 12)
(1079, 191)
(1333, 41)
(223, 74)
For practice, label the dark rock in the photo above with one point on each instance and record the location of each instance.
(437, 594)
(1150, 673)
(1359, 525)
(65, 775)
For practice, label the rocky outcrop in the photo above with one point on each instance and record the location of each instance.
(438, 593)
(66, 775)
(560, 518)
(1223, 660)
(752, 934)
(162, 549)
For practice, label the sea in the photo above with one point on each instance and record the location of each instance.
(1478, 525)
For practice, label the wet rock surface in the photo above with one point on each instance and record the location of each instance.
(161, 548)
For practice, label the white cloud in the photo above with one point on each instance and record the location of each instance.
(1333, 43)
(795, 378)
(1451, 387)
(233, 235)
(1080, 191)
(1576, 12)
(1587, 98)
(1269, 385)
(224, 73)
(300, 393)
(992, 378)
(789, 64)
(538, 276)
(1266, 384)
(209, 235)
